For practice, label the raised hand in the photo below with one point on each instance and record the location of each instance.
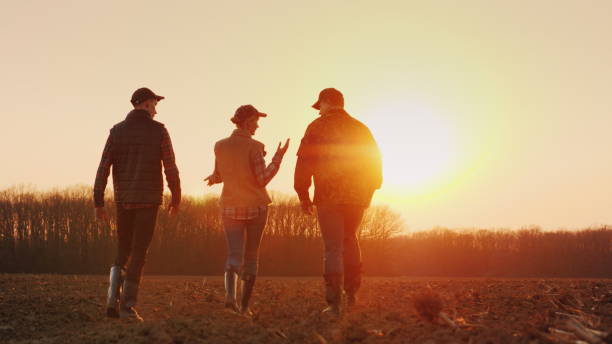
(282, 150)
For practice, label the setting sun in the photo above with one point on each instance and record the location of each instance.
(306, 172)
(418, 146)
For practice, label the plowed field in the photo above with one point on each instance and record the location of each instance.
(69, 309)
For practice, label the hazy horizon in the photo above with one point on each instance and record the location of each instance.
(488, 115)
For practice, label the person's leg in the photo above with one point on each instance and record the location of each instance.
(331, 223)
(254, 232)
(234, 235)
(352, 252)
(125, 233)
(124, 242)
(144, 227)
(145, 220)
(234, 238)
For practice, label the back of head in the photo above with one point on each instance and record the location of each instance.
(245, 112)
(331, 97)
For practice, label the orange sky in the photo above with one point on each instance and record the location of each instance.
(489, 114)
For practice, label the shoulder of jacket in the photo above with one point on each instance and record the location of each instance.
(220, 142)
(117, 125)
(158, 124)
(356, 123)
(257, 143)
(317, 121)
(223, 141)
(315, 125)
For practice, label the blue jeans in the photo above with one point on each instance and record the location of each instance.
(243, 238)
(339, 225)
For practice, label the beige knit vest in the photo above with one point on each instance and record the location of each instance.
(233, 159)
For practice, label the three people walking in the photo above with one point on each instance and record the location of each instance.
(337, 151)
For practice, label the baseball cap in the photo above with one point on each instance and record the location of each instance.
(142, 94)
(246, 111)
(330, 95)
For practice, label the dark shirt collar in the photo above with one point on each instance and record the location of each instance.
(138, 113)
(241, 132)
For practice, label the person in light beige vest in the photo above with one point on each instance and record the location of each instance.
(241, 167)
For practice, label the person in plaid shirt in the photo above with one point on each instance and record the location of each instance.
(340, 155)
(136, 148)
(241, 167)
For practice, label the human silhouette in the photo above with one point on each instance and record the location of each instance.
(136, 148)
(340, 154)
(241, 167)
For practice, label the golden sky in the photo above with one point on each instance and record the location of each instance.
(488, 113)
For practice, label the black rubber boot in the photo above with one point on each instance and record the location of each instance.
(231, 278)
(333, 293)
(129, 297)
(352, 283)
(248, 282)
(115, 280)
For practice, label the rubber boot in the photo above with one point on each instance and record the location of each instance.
(129, 297)
(248, 282)
(352, 283)
(230, 289)
(333, 293)
(115, 280)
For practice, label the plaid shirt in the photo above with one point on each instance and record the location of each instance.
(341, 156)
(263, 175)
(170, 169)
(243, 213)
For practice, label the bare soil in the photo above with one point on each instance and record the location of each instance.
(69, 309)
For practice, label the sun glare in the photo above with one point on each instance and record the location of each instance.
(417, 145)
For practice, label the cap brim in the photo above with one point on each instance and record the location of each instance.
(159, 97)
(317, 105)
(261, 114)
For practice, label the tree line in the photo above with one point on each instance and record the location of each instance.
(56, 232)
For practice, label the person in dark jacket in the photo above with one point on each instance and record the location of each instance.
(136, 148)
(244, 201)
(340, 154)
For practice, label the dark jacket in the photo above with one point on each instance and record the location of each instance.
(340, 154)
(136, 148)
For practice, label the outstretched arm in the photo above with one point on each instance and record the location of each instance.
(215, 177)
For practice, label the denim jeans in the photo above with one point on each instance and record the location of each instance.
(243, 238)
(135, 229)
(339, 225)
